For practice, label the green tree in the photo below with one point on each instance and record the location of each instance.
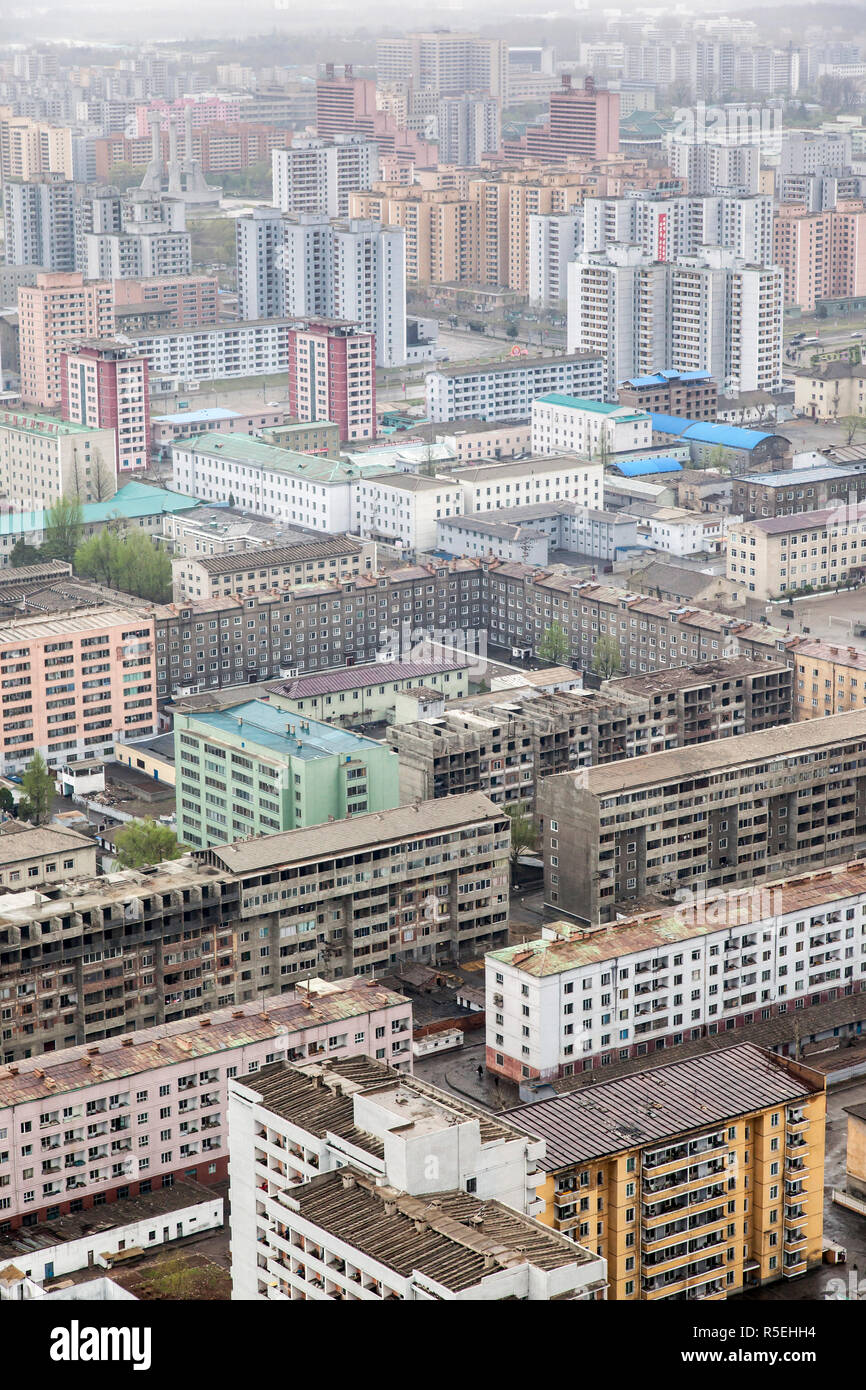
(606, 657)
(511, 330)
(524, 834)
(143, 842)
(128, 562)
(7, 801)
(554, 645)
(22, 553)
(37, 790)
(63, 522)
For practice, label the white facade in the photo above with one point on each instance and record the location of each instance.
(404, 509)
(709, 166)
(669, 227)
(506, 391)
(554, 239)
(307, 493)
(55, 1261)
(549, 479)
(426, 1142)
(309, 266)
(468, 128)
(317, 175)
(604, 993)
(560, 425)
(681, 532)
(711, 312)
(39, 227)
(257, 348)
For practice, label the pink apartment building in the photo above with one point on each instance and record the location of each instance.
(62, 305)
(192, 299)
(117, 1119)
(74, 683)
(823, 254)
(105, 383)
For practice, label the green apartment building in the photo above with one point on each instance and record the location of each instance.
(251, 769)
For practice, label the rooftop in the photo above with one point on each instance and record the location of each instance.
(638, 468)
(686, 677)
(786, 740)
(545, 463)
(622, 412)
(660, 1103)
(795, 477)
(706, 432)
(842, 514)
(19, 840)
(243, 448)
(287, 735)
(359, 834)
(569, 947)
(357, 677)
(270, 557)
(814, 648)
(451, 1238)
(28, 628)
(518, 364)
(308, 1005)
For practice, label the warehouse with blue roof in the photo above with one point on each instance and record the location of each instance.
(645, 468)
(709, 441)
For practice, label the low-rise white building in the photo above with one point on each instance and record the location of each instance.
(268, 480)
(506, 390)
(525, 481)
(255, 347)
(404, 1148)
(569, 424)
(576, 998)
(682, 532)
(404, 508)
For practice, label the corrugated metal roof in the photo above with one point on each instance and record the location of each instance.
(358, 677)
(637, 468)
(659, 1103)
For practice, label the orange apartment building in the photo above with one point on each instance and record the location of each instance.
(827, 679)
(29, 148)
(62, 305)
(823, 253)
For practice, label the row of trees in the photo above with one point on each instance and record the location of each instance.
(123, 561)
(556, 647)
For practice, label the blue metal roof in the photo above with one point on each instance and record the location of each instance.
(670, 424)
(638, 468)
(668, 374)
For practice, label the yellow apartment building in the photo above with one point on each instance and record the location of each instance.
(827, 679)
(695, 1180)
(809, 550)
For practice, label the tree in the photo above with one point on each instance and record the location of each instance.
(524, 834)
(143, 842)
(511, 330)
(37, 791)
(103, 479)
(63, 522)
(554, 645)
(22, 553)
(852, 424)
(7, 802)
(128, 562)
(606, 657)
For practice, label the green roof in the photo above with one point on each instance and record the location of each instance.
(38, 422)
(243, 448)
(131, 501)
(579, 403)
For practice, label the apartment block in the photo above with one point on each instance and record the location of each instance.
(653, 635)
(214, 351)
(806, 550)
(828, 390)
(445, 62)
(772, 803)
(423, 882)
(403, 509)
(332, 376)
(711, 312)
(505, 747)
(43, 457)
(329, 560)
(721, 1193)
(132, 1114)
(554, 239)
(32, 855)
(57, 308)
(366, 694)
(75, 682)
(38, 222)
(823, 254)
(316, 627)
(192, 300)
(329, 1182)
(30, 147)
(827, 679)
(317, 175)
(667, 227)
(249, 769)
(794, 491)
(105, 384)
(689, 395)
(581, 121)
(576, 999)
(505, 391)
